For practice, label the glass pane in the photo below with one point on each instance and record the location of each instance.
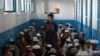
(10, 6)
(22, 5)
(32, 6)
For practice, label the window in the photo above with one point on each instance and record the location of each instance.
(11, 6)
(28, 5)
(32, 7)
(22, 5)
(18, 6)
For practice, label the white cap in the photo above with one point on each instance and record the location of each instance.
(66, 31)
(60, 25)
(83, 53)
(49, 45)
(30, 26)
(35, 39)
(69, 45)
(28, 47)
(25, 30)
(69, 28)
(33, 23)
(68, 40)
(61, 35)
(77, 44)
(68, 24)
(11, 39)
(38, 35)
(52, 50)
(22, 33)
(76, 41)
(36, 47)
(94, 41)
(62, 28)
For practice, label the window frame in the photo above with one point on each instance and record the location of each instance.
(13, 6)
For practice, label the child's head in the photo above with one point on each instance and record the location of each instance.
(82, 35)
(50, 17)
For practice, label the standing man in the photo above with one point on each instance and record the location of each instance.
(51, 31)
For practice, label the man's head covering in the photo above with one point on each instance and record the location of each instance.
(36, 47)
(62, 28)
(68, 24)
(35, 39)
(31, 27)
(68, 40)
(69, 28)
(28, 47)
(49, 45)
(38, 35)
(66, 31)
(83, 53)
(61, 35)
(94, 41)
(60, 25)
(21, 33)
(69, 45)
(76, 41)
(11, 39)
(77, 44)
(52, 50)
